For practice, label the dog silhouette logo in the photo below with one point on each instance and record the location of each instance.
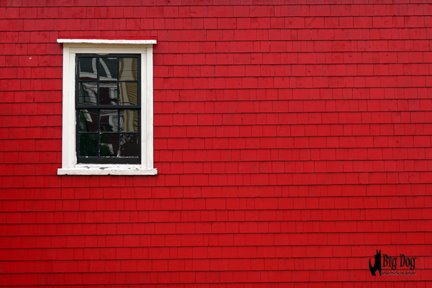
(377, 264)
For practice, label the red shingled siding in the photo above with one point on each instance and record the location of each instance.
(292, 139)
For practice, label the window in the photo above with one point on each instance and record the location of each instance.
(107, 107)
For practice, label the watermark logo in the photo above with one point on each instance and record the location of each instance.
(377, 265)
(392, 265)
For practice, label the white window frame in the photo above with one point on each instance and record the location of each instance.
(97, 46)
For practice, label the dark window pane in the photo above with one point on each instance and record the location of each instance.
(129, 120)
(87, 93)
(88, 144)
(108, 68)
(87, 68)
(108, 120)
(108, 93)
(128, 93)
(88, 120)
(128, 69)
(105, 133)
(109, 144)
(129, 145)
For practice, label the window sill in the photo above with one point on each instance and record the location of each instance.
(93, 169)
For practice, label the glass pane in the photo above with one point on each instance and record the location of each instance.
(128, 68)
(108, 93)
(108, 68)
(88, 120)
(88, 144)
(129, 145)
(109, 144)
(108, 120)
(129, 120)
(128, 93)
(87, 93)
(87, 68)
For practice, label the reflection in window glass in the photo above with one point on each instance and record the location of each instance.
(128, 69)
(87, 93)
(108, 93)
(109, 144)
(128, 93)
(108, 120)
(129, 120)
(129, 145)
(108, 112)
(88, 120)
(88, 144)
(87, 68)
(108, 69)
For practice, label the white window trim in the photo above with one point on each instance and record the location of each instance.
(69, 159)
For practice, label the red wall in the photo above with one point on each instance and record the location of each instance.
(292, 141)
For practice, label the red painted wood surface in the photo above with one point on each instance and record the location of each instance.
(292, 139)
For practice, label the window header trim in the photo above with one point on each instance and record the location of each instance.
(107, 41)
